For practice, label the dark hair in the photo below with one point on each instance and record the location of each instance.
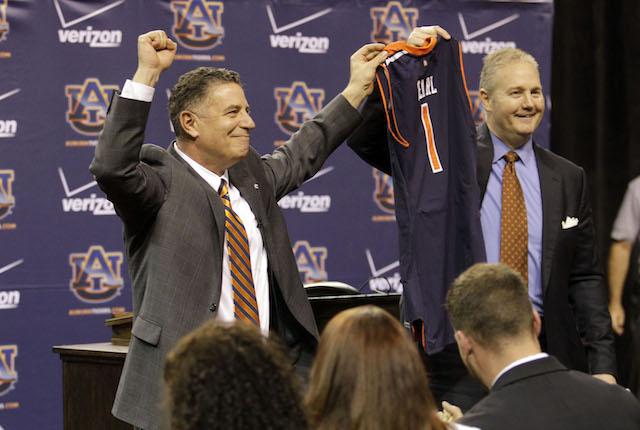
(191, 90)
(368, 375)
(491, 303)
(229, 376)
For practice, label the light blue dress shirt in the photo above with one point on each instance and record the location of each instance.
(491, 211)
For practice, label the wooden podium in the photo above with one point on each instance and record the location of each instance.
(91, 372)
(90, 375)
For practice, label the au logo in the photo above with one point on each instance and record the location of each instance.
(198, 23)
(96, 275)
(7, 201)
(88, 105)
(310, 261)
(476, 107)
(4, 25)
(296, 105)
(8, 374)
(383, 194)
(392, 23)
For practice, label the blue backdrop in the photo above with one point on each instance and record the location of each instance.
(62, 269)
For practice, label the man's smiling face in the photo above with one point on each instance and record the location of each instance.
(515, 104)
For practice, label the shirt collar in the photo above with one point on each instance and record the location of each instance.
(517, 363)
(525, 152)
(210, 177)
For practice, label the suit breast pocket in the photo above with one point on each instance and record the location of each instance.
(146, 331)
(566, 243)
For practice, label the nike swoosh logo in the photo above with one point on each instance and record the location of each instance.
(9, 94)
(11, 266)
(486, 29)
(372, 266)
(294, 24)
(66, 24)
(71, 193)
(320, 173)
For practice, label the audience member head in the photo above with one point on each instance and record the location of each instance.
(493, 318)
(511, 95)
(228, 376)
(368, 375)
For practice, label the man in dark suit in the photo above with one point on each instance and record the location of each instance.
(561, 266)
(496, 330)
(204, 236)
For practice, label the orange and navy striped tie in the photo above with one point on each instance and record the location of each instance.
(244, 295)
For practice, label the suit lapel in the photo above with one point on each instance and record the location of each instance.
(241, 177)
(212, 195)
(551, 192)
(484, 157)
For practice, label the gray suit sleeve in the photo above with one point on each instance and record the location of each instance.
(307, 150)
(135, 188)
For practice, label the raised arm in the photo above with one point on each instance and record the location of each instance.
(305, 153)
(136, 190)
(155, 54)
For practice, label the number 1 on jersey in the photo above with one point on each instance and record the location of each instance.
(432, 151)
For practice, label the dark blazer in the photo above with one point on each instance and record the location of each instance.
(543, 394)
(577, 323)
(574, 292)
(174, 236)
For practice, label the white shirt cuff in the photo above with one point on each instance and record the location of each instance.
(137, 91)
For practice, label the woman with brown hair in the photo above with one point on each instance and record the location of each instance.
(368, 375)
(228, 376)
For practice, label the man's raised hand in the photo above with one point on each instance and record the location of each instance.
(363, 71)
(420, 34)
(155, 54)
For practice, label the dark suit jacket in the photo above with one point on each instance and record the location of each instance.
(574, 293)
(543, 394)
(174, 236)
(577, 322)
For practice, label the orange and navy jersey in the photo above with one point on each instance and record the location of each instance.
(432, 143)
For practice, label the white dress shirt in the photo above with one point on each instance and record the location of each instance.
(136, 91)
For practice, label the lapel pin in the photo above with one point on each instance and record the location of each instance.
(256, 186)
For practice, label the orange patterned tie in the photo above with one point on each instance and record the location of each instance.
(514, 239)
(244, 294)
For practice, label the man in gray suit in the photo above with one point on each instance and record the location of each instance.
(496, 329)
(179, 245)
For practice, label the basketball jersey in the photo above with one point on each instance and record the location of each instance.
(432, 147)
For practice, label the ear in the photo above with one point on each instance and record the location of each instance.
(485, 100)
(188, 123)
(465, 345)
(537, 323)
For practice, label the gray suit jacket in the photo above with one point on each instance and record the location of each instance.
(543, 394)
(174, 236)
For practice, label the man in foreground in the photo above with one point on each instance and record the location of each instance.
(497, 330)
(203, 233)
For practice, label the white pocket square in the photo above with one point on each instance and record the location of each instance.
(569, 222)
